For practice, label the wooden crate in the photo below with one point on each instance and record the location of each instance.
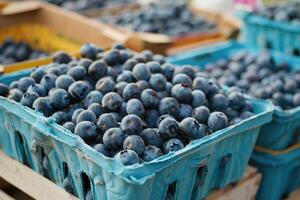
(160, 43)
(38, 187)
(245, 189)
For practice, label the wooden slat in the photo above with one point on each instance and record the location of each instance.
(294, 195)
(245, 189)
(4, 196)
(29, 181)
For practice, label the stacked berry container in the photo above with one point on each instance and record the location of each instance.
(276, 27)
(279, 133)
(280, 169)
(277, 150)
(194, 158)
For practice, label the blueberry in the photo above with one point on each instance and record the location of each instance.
(53, 70)
(38, 74)
(172, 144)
(217, 121)
(88, 51)
(86, 130)
(219, 102)
(235, 121)
(135, 106)
(113, 138)
(199, 98)
(28, 99)
(118, 46)
(71, 109)
(86, 115)
(70, 126)
(167, 70)
(159, 58)
(102, 149)
(169, 87)
(231, 113)
(92, 97)
(77, 72)
(127, 157)
(278, 99)
(201, 114)
(107, 121)
(13, 85)
(120, 87)
(236, 100)
(43, 105)
(213, 88)
(112, 101)
(182, 93)
(37, 88)
(75, 114)
(131, 91)
(78, 90)
(151, 137)
(134, 143)
(3, 90)
(169, 105)
(59, 98)
(200, 83)
(85, 62)
(59, 117)
(129, 64)
(148, 55)
(192, 129)
(151, 152)
(150, 98)
(168, 128)
(96, 108)
(182, 78)
(143, 84)
(154, 67)
(185, 110)
(131, 124)
(125, 76)
(48, 81)
(97, 70)
(186, 69)
(246, 114)
(15, 94)
(158, 82)
(141, 72)
(61, 57)
(296, 100)
(112, 57)
(24, 83)
(151, 118)
(290, 86)
(64, 81)
(105, 85)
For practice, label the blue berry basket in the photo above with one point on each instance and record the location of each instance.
(284, 128)
(280, 171)
(190, 173)
(265, 33)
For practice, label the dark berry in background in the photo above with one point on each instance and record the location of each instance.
(165, 17)
(12, 52)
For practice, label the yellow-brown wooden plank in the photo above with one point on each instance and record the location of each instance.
(29, 181)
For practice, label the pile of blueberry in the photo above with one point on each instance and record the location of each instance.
(259, 76)
(80, 5)
(284, 12)
(164, 18)
(11, 52)
(134, 107)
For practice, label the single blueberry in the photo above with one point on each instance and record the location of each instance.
(169, 105)
(131, 124)
(88, 51)
(150, 98)
(158, 82)
(182, 93)
(96, 108)
(151, 152)
(113, 138)
(192, 129)
(24, 83)
(92, 97)
(37, 88)
(171, 145)
(75, 114)
(199, 98)
(151, 118)
(141, 72)
(15, 94)
(127, 157)
(168, 128)
(105, 85)
(102, 149)
(97, 70)
(61, 57)
(78, 90)
(48, 81)
(112, 101)
(135, 106)
(182, 78)
(28, 99)
(86, 130)
(70, 126)
(107, 121)
(43, 105)
(64, 81)
(131, 91)
(217, 121)
(219, 102)
(86, 115)
(59, 99)
(134, 143)
(185, 110)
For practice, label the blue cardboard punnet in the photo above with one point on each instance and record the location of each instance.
(280, 172)
(190, 173)
(266, 33)
(283, 129)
